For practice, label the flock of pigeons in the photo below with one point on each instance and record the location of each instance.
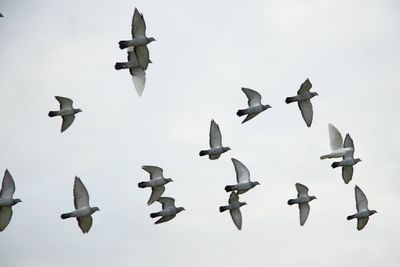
(138, 60)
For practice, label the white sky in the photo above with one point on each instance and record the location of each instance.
(205, 51)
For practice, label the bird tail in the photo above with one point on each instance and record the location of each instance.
(291, 202)
(120, 65)
(324, 157)
(66, 215)
(142, 184)
(123, 44)
(335, 164)
(53, 113)
(229, 188)
(223, 208)
(155, 214)
(203, 153)
(290, 99)
(241, 112)
(350, 217)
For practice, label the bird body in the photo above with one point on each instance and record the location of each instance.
(244, 183)
(234, 209)
(254, 103)
(157, 182)
(336, 143)
(302, 200)
(363, 212)
(67, 112)
(7, 200)
(216, 147)
(169, 210)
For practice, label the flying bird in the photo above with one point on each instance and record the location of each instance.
(138, 60)
(168, 211)
(302, 199)
(138, 32)
(348, 160)
(234, 209)
(215, 143)
(363, 212)
(303, 100)
(67, 112)
(242, 177)
(336, 142)
(254, 103)
(157, 182)
(6, 200)
(82, 211)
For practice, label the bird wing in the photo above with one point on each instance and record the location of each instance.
(81, 195)
(67, 120)
(306, 111)
(65, 103)
(132, 57)
(362, 222)
(142, 56)
(305, 87)
(85, 223)
(347, 173)
(5, 217)
(335, 138)
(8, 186)
(250, 116)
(361, 199)
(138, 25)
(302, 190)
(236, 216)
(242, 173)
(348, 142)
(233, 198)
(154, 171)
(215, 135)
(156, 193)
(304, 211)
(165, 219)
(254, 98)
(167, 202)
(139, 79)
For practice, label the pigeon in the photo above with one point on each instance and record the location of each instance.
(138, 32)
(302, 199)
(234, 209)
(243, 179)
(67, 112)
(336, 141)
(303, 100)
(157, 182)
(363, 212)
(7, 200)
(255, 106)
(82, 211)
(169, 210)
(348, 160)
(215, 143)
(138, 60)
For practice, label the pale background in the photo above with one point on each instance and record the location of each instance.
(205, 51)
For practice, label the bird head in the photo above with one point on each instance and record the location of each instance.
(227, 149)
(78, 110)
(15, 201)
(313, 197)
(255, 183)
(357, 160)
(314, 94)
(94, 209)
(150, 39)
(180, 209)
(242, 203)
(169, 180)
(267, 106)
(373, 212)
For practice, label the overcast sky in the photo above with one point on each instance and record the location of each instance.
(204, 53)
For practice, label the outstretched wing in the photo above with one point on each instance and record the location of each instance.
(347, 173)
(304, 211)
(81, 195)
(156, 193)
(154, 171)
(362, 222)
(167, 202)
(361, 199)
(165, 219)
(8, 186)
(85, 223)
(254, 98)
(306, 109)
(348, 142)
(236, 216)
(5, 217)
(233, 198)
(138, 25)
(242, 173)
(305, 87)
(142, 56)
(67, 120)
(65, 103)
(302, 190)
(335, 138)
(215, 135)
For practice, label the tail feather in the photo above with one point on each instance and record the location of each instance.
(66, 215)
(291, 202)
(120, 65)
(142, 184)
(289, 99)
(123, 44)
(335, 164)
(155, 214)
(241, 112)
(203, 153)
(229, 188)
(53, 113)
(350, 217)
(223, 208)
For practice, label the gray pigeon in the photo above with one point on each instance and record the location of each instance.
(157, 182)
(303, 100)
(138, 32)
(82, 211)
(242, 177)
(234, 209)
(348, 161)
(255, 106)
(363, 212)
(67, 112)
(302, 199)
(6, 200)
(169, 210)
(216, 147)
